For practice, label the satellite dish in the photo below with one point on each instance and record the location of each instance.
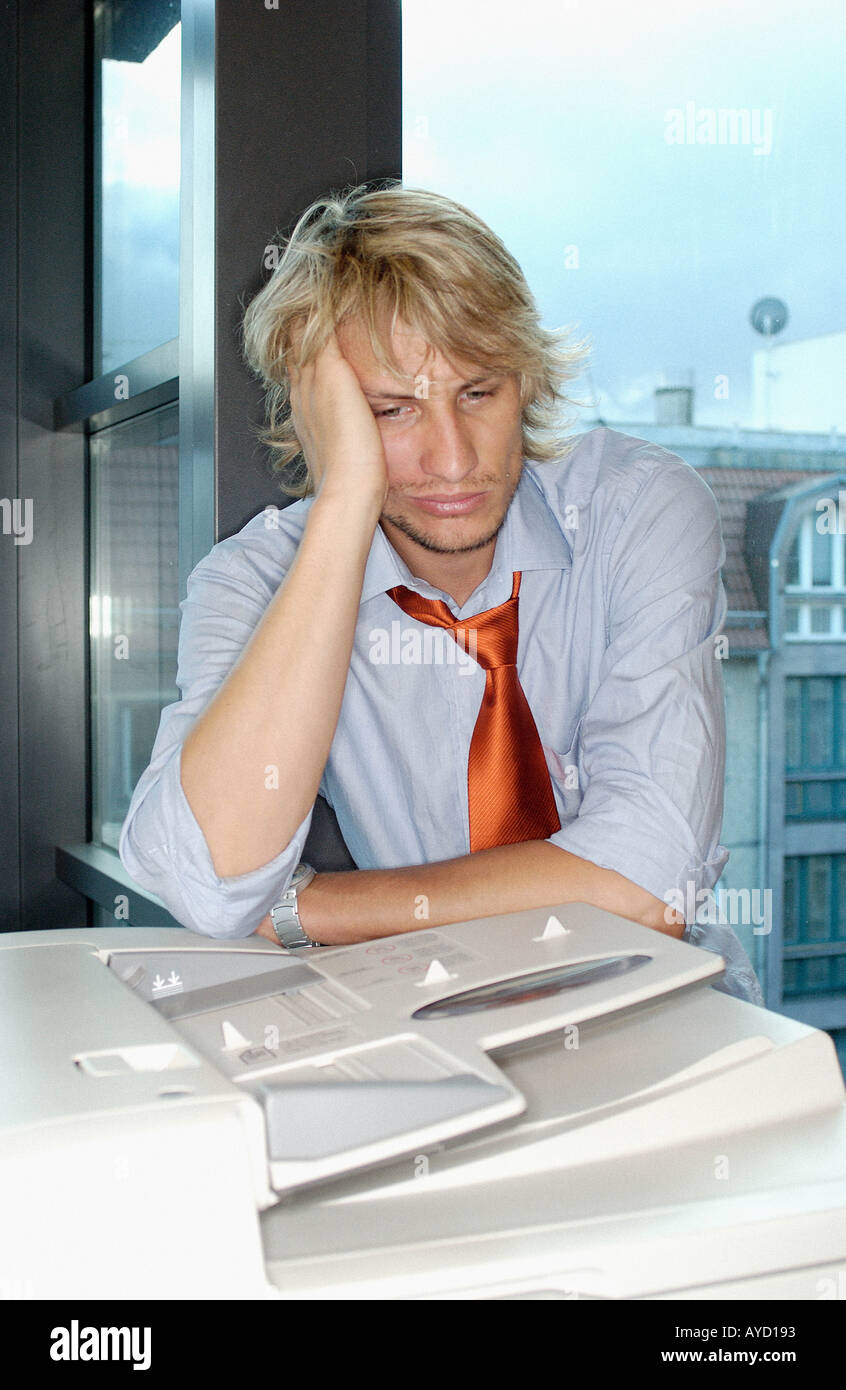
(768, 316)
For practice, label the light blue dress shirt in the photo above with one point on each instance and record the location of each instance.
(621, 602)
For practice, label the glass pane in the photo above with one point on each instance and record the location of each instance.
(819, 799)
(821, 556)
(137, 79)
(839, 972)
(820, 730)
(791, 617)
(791, 574)
(791, 977)
(792, 724)
(820, 619)
(839, 925)
(817, 974)
(134, 604)
(818, 926)
(791, 899)
(793, 800)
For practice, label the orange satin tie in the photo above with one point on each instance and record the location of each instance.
(509, 792)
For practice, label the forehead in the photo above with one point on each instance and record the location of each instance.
(413, 354)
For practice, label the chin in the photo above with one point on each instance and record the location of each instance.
(453, 536)
(447, 540)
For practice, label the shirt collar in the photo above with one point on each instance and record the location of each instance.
(532, 538)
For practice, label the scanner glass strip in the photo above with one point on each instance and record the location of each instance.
(540, 984)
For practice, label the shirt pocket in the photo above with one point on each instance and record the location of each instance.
(565, 770)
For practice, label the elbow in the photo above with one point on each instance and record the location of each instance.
(193, 903)
(660, 916)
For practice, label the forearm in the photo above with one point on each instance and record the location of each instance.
(366, 904)
(252, 763)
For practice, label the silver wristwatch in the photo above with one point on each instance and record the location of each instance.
(285, 917)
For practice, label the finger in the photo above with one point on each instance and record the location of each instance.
(295, 339)
(332, 347)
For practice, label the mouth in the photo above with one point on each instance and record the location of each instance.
(449, 504)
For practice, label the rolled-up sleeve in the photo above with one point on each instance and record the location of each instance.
(652, 739)
(161, 844)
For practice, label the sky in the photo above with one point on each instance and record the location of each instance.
(587, 133)
(553, 121)
(140, 196)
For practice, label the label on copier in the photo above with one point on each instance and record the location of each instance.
(365, 968)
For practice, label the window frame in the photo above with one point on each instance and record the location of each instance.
(229, 181)
(331, 79)
(805, 596)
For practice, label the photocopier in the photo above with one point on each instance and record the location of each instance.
(541, 1105)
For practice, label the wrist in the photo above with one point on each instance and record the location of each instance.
(285, 914)
(306, 910)
(357, 502)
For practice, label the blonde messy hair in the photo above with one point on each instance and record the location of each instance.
(424, 259)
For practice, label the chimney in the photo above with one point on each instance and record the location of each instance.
(674, 398)
(674, 405)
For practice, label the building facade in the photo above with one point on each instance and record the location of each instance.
(782, 500)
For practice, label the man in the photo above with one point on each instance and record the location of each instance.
(578, 757)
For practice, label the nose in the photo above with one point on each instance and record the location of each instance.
(447, 448)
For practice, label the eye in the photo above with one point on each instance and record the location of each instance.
(395, 412)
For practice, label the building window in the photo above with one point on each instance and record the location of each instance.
(815, 580)
(815, 747)
(814, 924)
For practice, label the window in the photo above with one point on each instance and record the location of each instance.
(815, 580)
(134, 470)
(815, 747)
(653, 182)
(122, 104)
(814, 924)
(134, 604)
(137, 90)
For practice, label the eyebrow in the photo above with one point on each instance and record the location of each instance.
(410, 396)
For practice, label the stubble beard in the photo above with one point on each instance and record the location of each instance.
(431, 543)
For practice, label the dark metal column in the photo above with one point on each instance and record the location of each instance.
(52, 359)
(308, 98)
(9, 551)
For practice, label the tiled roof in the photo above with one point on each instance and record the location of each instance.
(734, 488)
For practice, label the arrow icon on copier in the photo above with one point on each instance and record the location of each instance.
(232, 1039)
(435, 975)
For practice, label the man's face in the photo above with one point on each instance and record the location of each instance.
(452, 437)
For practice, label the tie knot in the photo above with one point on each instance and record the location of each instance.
(489, 637)
(494, 636)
